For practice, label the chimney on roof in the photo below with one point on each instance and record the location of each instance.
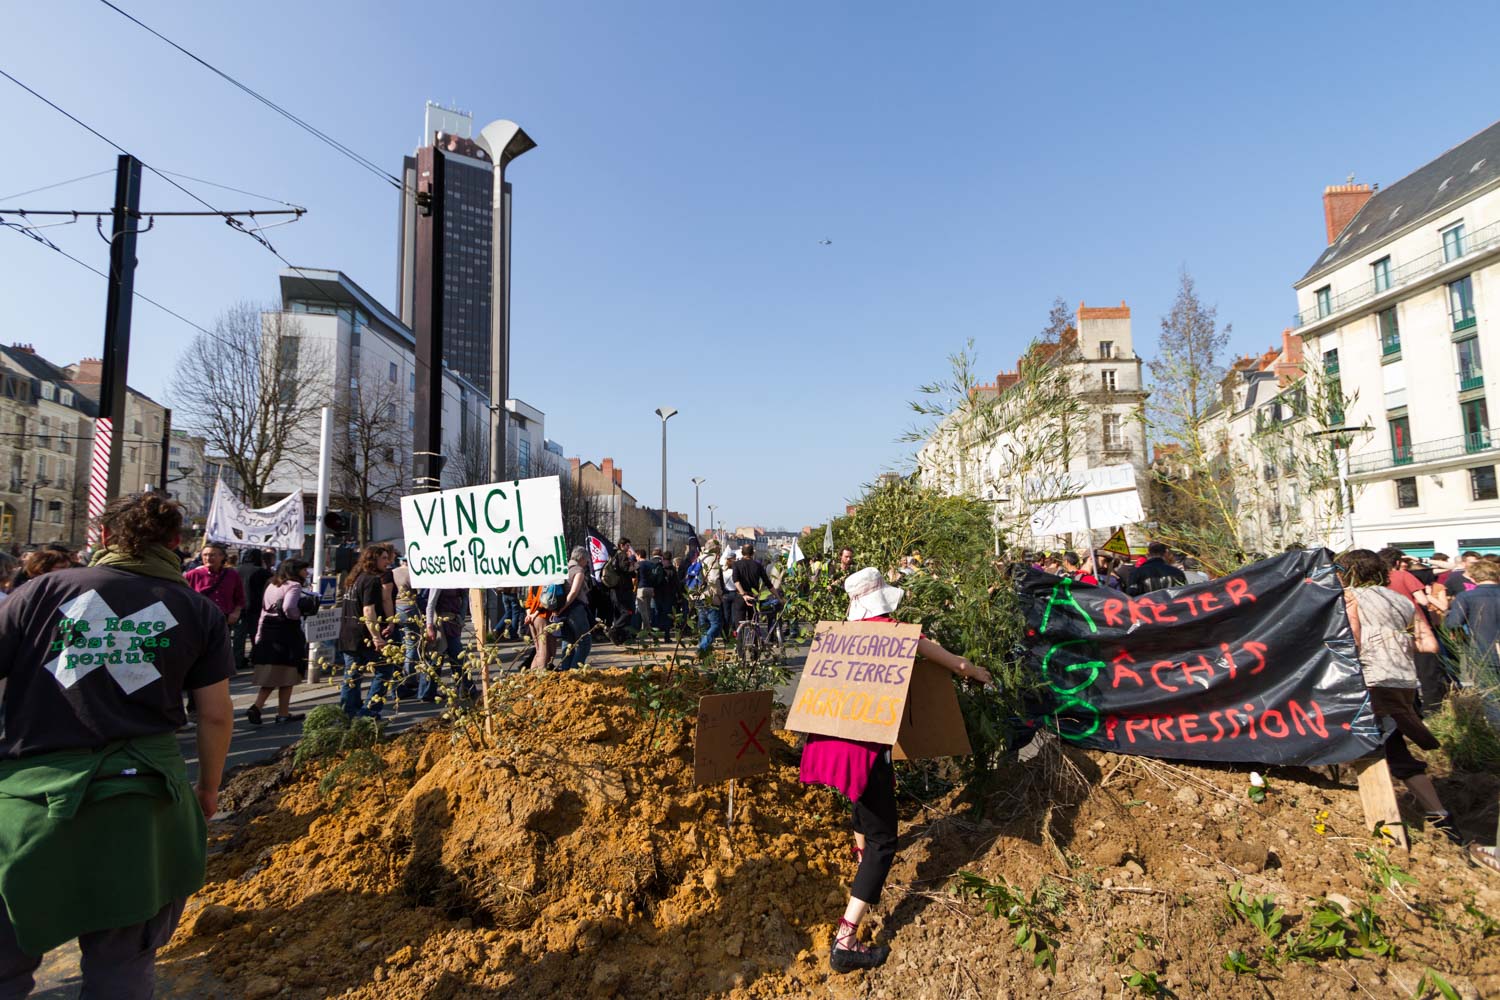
(1289, 366)
(89, 371)
(573, 469)
(610, 472)
(24, 348)
(1341, 203)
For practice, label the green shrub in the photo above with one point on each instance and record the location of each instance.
(1468, 738)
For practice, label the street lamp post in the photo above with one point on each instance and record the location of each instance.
(711, 508)
(666, 413)
(698, 482)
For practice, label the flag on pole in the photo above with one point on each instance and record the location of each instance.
(828, 539)
(794, 555)
(600, 551)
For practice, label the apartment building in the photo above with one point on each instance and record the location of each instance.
(1402, 307)
(1102, 372)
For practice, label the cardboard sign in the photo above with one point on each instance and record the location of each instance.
(1117, 543)
(733, 736)
(854, 684)
(323, 626)
(501, 535)
(932, 724)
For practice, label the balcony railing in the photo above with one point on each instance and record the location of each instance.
(1391, 456)
(1466, 323)
(1412, 270)
(1470, 378)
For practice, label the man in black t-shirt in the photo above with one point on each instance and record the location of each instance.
(749, 579)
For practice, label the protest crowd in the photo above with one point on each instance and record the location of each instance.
(104, 756)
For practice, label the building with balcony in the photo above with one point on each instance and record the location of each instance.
(1404, 304)
(1102, 371)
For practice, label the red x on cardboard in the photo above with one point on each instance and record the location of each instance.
(730, 740)
(750, 739)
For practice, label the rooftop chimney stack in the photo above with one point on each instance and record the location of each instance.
(1341, 203)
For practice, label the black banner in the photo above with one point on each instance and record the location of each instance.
(1258, 666)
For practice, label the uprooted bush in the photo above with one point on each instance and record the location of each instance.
(328, 732)
(1464, 729)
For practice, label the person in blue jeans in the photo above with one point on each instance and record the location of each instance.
(710, 595)
(445, 627)
(511, 615)
(578, 620)
(363, 643)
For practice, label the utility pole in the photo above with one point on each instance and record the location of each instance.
(166, 444)
(427, 322)
(504, 141)
(698, 482)
(109, 429)
(711, 508)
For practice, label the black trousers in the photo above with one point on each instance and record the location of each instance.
(875, 817)
(117, 964)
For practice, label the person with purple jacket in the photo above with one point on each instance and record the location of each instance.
(863, 772)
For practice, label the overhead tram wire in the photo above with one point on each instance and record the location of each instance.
(312, 130)
(26, 232)
(49, 187)
(229, 219)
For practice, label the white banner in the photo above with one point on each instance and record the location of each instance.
(501, 535)
(1105, 497)
(278, 526)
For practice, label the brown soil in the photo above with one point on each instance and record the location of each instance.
(572, 859)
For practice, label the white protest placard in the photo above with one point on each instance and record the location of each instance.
(323, 626)
(502, 535)
(1094, 498)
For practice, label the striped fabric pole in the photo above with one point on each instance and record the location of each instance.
(98, 477)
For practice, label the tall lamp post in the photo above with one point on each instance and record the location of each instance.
(666, 413)
(698, 482)
(711, 508)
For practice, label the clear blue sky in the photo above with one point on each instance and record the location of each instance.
(968, 161)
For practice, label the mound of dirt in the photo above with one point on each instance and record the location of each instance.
(573, 857)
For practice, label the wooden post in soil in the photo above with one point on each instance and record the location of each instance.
(478, 613)
(1378, 797)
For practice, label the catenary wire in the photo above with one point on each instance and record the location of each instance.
(362, 161)
(49, 187)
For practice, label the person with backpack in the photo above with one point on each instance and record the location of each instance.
(280, 651)
(615, 575)
(539, 607)
(362, 633)
(577, 620)
(1155, 573)
(709, 594)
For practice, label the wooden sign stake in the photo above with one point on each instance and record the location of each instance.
(477, 612)
(1378, 797)
(730, 823)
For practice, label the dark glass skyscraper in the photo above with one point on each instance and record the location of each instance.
(468, 252)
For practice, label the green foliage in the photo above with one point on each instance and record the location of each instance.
(1470, 741)
(1260, 912)
(1147, 984)
(1033, 918)
(1431, 984)
(328, 733)
(1484, 925)
(661, 694)
(1383, 873)
(1239, 963)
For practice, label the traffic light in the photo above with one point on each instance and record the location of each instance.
(336, 522)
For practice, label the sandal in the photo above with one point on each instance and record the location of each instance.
(1487, 858)
(282, 720)
(252, 715)
(847, 954)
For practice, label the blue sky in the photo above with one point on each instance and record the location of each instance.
(968, 161)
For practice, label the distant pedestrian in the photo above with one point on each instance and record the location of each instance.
(253, 579)
(1155, 573)
(1475, 614)
(538, 624)
(362, 634)
(280, 652)
(577, 620)
(215, 580)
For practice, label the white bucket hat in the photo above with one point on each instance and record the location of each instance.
(870, 595)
